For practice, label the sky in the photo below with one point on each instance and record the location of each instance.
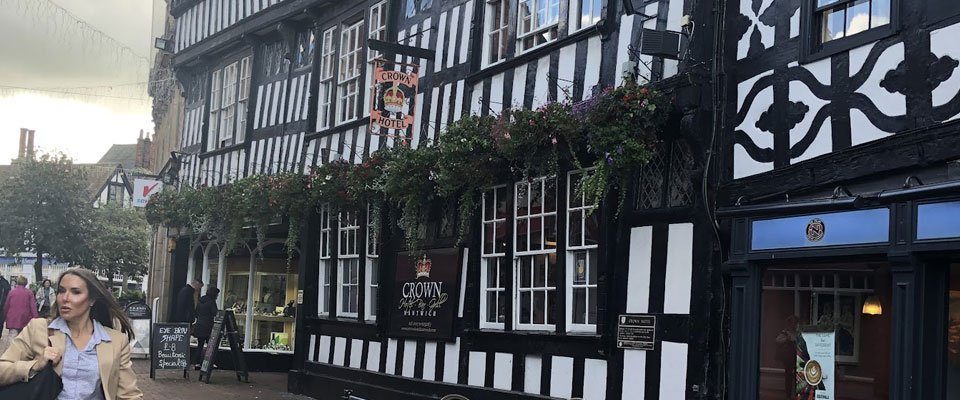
(100, 49)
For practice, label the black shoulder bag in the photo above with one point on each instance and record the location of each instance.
(45, 385)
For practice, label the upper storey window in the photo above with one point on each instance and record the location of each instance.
(537, 22)
(833, 26)
(411, 7)
(497, 33)
(841, 18)
(351, 65)
(305, 49)
(229, 93)
(589, 13)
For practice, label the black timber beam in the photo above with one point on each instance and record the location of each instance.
(924, 147)
(393, 48)
(233, 34)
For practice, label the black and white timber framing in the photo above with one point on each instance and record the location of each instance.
(657, 258)
(863, 122)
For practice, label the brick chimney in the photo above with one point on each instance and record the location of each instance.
(144, 152)
(25, 150)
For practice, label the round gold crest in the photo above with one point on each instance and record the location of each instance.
(815, 230)
(812, 372)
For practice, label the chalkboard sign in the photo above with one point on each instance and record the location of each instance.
(138, 310)
(171, 349)
(224, 324)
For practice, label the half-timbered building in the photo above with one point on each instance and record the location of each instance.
(283, 86)
(840, 181)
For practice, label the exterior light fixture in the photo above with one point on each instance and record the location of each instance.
(871, 306)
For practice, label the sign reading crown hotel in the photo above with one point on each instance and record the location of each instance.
(394, 93)
(424, 302)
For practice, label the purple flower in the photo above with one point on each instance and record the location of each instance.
(609, 159)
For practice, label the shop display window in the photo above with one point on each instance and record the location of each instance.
(953, 334)
(807, 311)
(272, 311)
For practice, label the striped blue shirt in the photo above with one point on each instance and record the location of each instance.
(81, 371)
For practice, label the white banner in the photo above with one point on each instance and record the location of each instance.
(143, 189)
(816, 357)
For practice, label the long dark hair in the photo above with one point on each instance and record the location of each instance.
(105, 308)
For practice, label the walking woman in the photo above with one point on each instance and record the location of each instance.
(20, 307)
(83, 343)
(45, 298)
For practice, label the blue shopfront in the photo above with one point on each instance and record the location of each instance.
(873, 280)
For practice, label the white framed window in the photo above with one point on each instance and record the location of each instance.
(326, 270)
(348, 260)
(328, 51)
(216, 87)
(537, 22)
(372, 283)
(583, 232)
(229, 94)
(493, 258)
(586, 14)
(497, 21)
(351, 66)
(535, 253)
(378, 26)
(242, 99)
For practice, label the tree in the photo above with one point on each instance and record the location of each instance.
(120, 241)
(44, 209)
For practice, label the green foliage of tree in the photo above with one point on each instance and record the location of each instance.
(44, 209)
(119, 241)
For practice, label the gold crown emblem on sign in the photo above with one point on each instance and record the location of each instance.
(423, 267)
(393, 99)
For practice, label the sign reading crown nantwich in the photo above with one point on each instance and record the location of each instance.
(392, 99)
(424, 302)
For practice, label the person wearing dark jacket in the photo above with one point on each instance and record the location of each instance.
(4, 290)
(206, 311)
(186, 306)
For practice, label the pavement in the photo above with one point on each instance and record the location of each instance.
(170, 384)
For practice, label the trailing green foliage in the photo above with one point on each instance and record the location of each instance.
(613, 135)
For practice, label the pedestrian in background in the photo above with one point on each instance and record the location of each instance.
(4, 290)
(186, 307)
(206, 311)
(45, 298)
(20, 307)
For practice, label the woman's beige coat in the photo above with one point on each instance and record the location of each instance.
(117, 378)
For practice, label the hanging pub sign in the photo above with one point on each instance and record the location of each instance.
(392, 99)
(424, 301)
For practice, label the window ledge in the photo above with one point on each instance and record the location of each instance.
(222, 150)
(528, 55)
(847, 43)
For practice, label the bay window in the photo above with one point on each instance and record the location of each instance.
(348, 259)
(496, 29)
(373, 264)
(229, 94)
(327, 60)
(535, 253)
(351, 65)
(326, 270)
(583, 231)
(493, 258)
